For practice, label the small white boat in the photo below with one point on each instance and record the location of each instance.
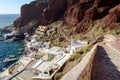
(19, 52)
(10, 59)
(21, 49)
(9, 40)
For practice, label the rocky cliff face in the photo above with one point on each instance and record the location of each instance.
(113, 18)
(43, 11)
(55, 9)
(30, 12)
(84, 12)
(78, 13)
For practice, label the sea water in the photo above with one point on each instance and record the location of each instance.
(8, 48)
(7, 19)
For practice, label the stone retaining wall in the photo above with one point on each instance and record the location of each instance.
(82, 71)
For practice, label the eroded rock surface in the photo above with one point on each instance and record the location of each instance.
(85, 11)
(80, 14)
(42, 11)
(55, 9)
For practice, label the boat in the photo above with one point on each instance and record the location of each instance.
(10, 59)
(19, 52)
(9, 40)
(21, 49)
(12, 56)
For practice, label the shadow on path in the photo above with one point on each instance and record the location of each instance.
(103, 68)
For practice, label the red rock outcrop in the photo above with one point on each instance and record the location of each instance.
(84, 12)
(33, 10)
(79, 13)
(76, 13)
(55, 9)
(30, 12)
(114, 14)
(82, 26)
(91, 14)
(113, 18)
(71, 3)
(45, 11)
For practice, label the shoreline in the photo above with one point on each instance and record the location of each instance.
(17, 52)
(37, 56)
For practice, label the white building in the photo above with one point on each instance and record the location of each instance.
(76, 45)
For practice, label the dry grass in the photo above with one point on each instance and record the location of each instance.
(72, 61)
(62, 39)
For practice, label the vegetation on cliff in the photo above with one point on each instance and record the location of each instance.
(80, 20)
(78, 16)
(61, 36)
(82, 14)
(72, 61)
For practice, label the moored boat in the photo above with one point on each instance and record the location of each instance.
(10, 59)
(19, 52)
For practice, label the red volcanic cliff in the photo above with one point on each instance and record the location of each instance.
(85, 12)
(55, 9)
(113, 18)
(77, 13)
(39, 12)
(45, 11)
(30, 12)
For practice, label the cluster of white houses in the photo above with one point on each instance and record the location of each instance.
(40, 62)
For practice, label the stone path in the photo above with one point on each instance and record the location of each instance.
(106, 65)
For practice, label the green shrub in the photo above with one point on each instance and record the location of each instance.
(99, 31)
(80, 52)
(57, 76)
(118, 31)
(113, 32)
(87, 49)
(74, 57)
(51, 57)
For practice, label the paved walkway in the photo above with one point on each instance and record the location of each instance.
(106, 65)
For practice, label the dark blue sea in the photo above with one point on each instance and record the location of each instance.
(9, 48)
(7, 19)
